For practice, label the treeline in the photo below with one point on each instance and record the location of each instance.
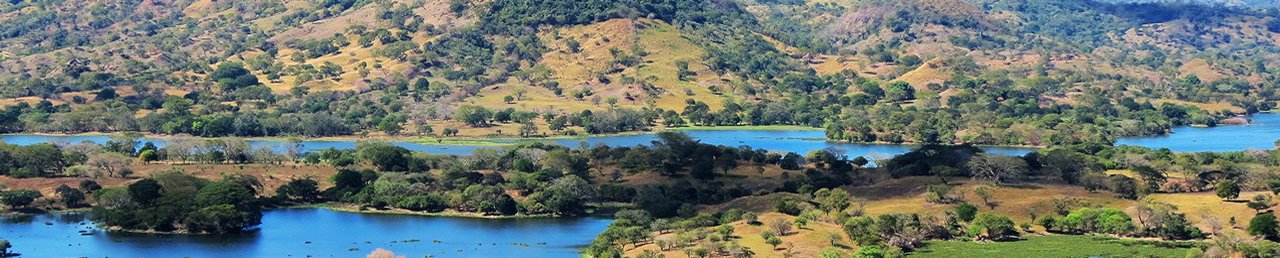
(1088, 22)
(894, 235)
(549, 179)
(114, 158)
(175, 201)
(552, 179)
(987, 107)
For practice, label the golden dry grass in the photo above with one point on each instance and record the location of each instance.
(907, 195)
(575, 71)
(271, 176)
(29, 100)
(593, 56)
(1199, 205)
(198, 8)
(1202, 69)
(1012, 60)
(833, 64)
(759, 204)
(802, 242)
(745, 175)
(927, 73)
(1211, 107)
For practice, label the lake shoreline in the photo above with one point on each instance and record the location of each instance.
(497, 142)
(302, 232)
(469, 141)
(337, 207)
(502, 142)
(347, 208)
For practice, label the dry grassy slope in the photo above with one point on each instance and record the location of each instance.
(29, 100)
(574, 71)
(833, 64)
(1202, 69)
(271, 176)
(1016, 202)
(907, 195)
(434, 12)
(745, 175)
(199, 8)
(863, 17)
(1172, 35)
(802, 242)
(927, 73)
(1211, 107)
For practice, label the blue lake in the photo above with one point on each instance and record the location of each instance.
(1262, 134)
(285, 233)
(788, 141)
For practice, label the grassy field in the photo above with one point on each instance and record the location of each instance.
(1211, 107)
(802, 242)
(749, 127)
(1048, 246)
(271, 176)
(907, 195)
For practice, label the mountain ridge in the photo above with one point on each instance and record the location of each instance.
(415, 67)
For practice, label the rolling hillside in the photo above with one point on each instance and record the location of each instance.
(410, 67)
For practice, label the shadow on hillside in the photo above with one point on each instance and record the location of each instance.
(1024, 186)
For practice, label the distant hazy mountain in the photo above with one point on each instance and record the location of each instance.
(1251, 3)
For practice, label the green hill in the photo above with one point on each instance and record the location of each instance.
(1025, 72)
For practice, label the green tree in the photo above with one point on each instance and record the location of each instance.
(231, 76)
(870, 252)
(89, 186)
(299, 189)
(1151, 176)
(996, 167)
(1069, 164)
(41, 159)
(1263, 225)
(836, 200)
(147, 156)
(986, 193)
(862, 230)
(774, 241)
(224, 218)
(899, 90)
(145, 191)
(386, 157)
(473, 115)
(19, 198)
(71, 197)
(966, 212)
(1228, 189)
(225, 192)
(832, 252)
(997, 227)
(528, 129)
(105, 94)
(1274, 186)
(1259, 202)
(390, 126)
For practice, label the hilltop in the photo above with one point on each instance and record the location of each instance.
(1020, 72)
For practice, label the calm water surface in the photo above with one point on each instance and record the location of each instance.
(284, 233)
(790, 141)
(1262, 134)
